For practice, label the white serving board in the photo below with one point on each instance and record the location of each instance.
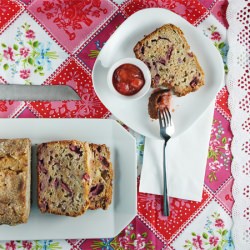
(93, 224)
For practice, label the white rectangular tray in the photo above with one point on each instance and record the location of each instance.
(93, 224)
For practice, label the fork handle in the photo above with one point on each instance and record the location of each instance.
(165, 186)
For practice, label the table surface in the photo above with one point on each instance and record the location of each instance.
(78, 38)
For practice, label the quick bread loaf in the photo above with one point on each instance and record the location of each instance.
(72, 176)
(15, 178)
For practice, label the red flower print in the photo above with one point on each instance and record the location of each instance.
(10, 245)
(96, 3)
(49, 15)
(124, 242)
(8, 54)
(229, 197)
(197, 243)
(24, 73)
(27, 244)
(216, 36)
(213, 240)
(219, 223)
(71, 16)
(3, 107)
(30, 34)
(24, 52)
(47, 5)
(69, 12)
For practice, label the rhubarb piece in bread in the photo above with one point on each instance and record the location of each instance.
(159, 99)
(63, 177)
(15, 175)
(170, 61)
(101, 174)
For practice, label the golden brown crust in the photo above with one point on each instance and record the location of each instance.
(167, 54)
(15, 177)
(152, 35)
(101, 173)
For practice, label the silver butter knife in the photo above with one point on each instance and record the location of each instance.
(17, 92)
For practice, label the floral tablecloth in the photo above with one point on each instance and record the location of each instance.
(57, 41)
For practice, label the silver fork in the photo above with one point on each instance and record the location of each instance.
(166, 131)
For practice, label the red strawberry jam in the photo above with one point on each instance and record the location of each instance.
(128, 79)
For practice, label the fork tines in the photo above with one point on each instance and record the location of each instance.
(164, 116)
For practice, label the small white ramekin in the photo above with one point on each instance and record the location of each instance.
(146, 73)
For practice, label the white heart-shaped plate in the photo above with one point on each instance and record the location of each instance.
(187, 109)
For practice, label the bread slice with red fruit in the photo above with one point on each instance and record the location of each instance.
(172, 64)
(63, 177)
(101, 174)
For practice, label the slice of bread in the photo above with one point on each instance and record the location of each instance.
(170, 61)
(63, 177)
(159, 99)
(15, 175)
(101, 174)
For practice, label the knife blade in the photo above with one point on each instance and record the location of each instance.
(17, 92)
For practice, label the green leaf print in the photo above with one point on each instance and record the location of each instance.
(221, 45)
(35, 44)
(132, 237)
(219, 248)
(144, 235)
(141, 147)
(30, 61)
(193, 233)
(93, 53)
(97, 244)
(212, 177)
(224, 232)
(204, 235)
(212, 154)
(226, 68)
(5, 66)
(54, 245)
(15, 46)
(4, 45)
(224, 140)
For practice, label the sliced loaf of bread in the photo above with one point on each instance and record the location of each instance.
(171, 62)
(63, 177)
(101, 175)
(15, 177)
